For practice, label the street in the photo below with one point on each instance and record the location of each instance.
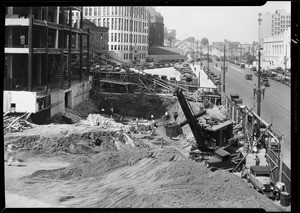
(275, 107)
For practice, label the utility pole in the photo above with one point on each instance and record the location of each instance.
(208, 56)
(224, 71)
(258, 72)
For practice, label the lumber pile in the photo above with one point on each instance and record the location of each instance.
(16, 123)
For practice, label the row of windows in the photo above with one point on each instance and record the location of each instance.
(128, 47)
(275, 49)
(129, 56)
(137, 12)
(125, 37)
(121, 24)
(99, 46)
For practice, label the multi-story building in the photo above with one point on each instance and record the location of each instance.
(274, 23)
(98, 37)
(156, 32)
(44, 59)
(128, 30)
(277, 50)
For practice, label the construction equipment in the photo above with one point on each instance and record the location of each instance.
(193, 122)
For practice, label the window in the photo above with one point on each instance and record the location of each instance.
(118, 47)
(111, 47)
(95, 11)
(101, 36)
(115, 47)
(108, 22)
(99, 11)
(116, 10)
(90, 11)
(99, 22)
(108, 10)
(86, 11)
(119, 37)
(112, 23)
(112, 10)
(116, 37)
(104, 11)
(112, 37)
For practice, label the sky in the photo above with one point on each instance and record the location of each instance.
(218, 23)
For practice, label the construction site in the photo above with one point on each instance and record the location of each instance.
(95, 132)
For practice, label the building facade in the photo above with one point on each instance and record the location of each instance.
(277, 50)
(156, 31)
(274, 23)
(44, 57)
(128, 30)
(98, 37)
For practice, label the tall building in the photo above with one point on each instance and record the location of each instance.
(128, 30)
(156, 33)
(98, 37)
(274, 23)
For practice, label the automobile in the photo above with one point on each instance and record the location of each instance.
(249, 76)
(253, 68)
(224, 160)
(242, 65)
(259, 176)
(265, 81)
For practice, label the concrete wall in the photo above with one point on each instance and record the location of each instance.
(76, 94)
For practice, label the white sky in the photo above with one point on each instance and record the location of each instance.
(218, 23)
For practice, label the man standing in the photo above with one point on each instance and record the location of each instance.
(254, 90)
(263, 88)
(11, 154)
(175, 116)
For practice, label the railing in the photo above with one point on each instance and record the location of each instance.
(279, 170)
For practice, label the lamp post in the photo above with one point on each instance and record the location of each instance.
(224, 71)
(258, 92)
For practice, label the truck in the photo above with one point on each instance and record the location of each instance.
(259, 176)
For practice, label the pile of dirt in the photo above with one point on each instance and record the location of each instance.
(85, 108)
(86, 143)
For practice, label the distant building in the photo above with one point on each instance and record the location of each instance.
(128, 30)
(274, 23)
(98, 37)
(277, 49)
(156, 32)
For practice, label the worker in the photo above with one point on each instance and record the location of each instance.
(112, 112)
(11, 154)
(167, 117)
(175, 116)
(257, 160)
(263, 89)
(254, 90)
(136, 125)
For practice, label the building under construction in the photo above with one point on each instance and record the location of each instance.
(46, 60)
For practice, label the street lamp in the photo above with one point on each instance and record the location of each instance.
(258, 91)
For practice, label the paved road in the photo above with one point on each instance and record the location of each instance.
(276, 103)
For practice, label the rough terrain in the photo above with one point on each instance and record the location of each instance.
(81, 165)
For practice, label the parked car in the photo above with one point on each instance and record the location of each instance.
(253, 68)
(259, 176)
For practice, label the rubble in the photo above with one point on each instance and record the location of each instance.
(120, 167)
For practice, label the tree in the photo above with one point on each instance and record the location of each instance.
(249, 58)
(170, 35)
(204, 42)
